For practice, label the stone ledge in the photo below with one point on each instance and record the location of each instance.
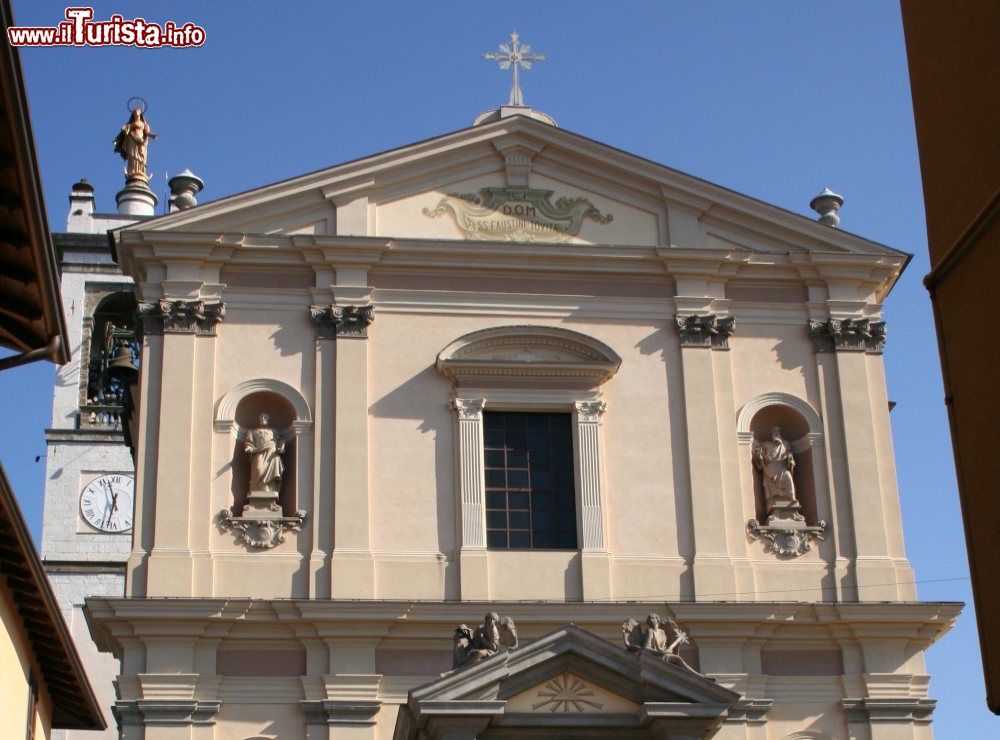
(85, 436)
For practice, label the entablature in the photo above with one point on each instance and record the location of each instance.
(919, 624)
(187, 256)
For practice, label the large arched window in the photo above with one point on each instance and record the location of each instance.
(529, 446)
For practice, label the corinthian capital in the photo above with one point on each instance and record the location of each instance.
(469, 409)
(590, 411)
(342, 321)
(705, 331)
(181, 316)
(848, 335)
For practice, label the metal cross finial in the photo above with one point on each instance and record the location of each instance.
(515, 55)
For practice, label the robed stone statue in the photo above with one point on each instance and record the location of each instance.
(131, 144)
(775, 461)
(264, 450)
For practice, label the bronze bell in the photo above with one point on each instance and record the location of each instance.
(121, 365)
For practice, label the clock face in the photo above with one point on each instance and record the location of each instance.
(106, 503)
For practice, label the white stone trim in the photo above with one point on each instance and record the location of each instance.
(764, 400)
(587, 411)
(548, 353)
(225, 411)
(589, 473)
(471, 471)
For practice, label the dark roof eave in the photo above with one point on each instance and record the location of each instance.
(15, 101)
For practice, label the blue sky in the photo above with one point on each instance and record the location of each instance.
(773, 99)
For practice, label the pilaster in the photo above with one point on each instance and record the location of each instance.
(331, 718)
(595, 560)
(472, 559)
(841, 509)
(323, 440)
(166, 719)
(352, 565)
(700, 335)
(849, 341)
(729, 457)
(188, 329)
(147, 445)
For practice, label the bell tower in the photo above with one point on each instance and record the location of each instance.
(89, 490)
(87, 524)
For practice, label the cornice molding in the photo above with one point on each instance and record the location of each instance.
(353, 713)
(889, 708)
(671, 186)
(182, 712)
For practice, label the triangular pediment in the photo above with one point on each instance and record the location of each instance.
(517, 180)
(569, 677)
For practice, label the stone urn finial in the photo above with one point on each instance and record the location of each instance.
(184, 186)
(826, 204)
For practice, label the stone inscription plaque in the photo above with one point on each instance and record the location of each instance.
(517, 214)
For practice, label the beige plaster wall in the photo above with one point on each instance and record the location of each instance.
(809, 715)
(239, 720)
(773, 357)
(631, 225)
(404, 216)
(651, 532)
(17, 664)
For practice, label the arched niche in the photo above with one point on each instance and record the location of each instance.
(109, 330)
(225, 411)
(239, 411)
(542, 356)
(802, 427)
(807, 412)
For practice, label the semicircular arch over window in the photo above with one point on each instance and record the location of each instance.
(542, 354)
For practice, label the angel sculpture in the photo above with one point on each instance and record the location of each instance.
(652, 638)
(775, 461)
(488, 639)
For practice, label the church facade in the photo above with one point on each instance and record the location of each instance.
(637, 420)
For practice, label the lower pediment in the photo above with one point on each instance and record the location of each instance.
(569, 681)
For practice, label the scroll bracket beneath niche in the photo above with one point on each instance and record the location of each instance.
(787, 537)
(261, 532)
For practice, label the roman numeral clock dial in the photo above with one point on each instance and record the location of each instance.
(106, 503)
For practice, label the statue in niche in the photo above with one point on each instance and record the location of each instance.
(132, 142)
(659, 636)
(776, 462)
(488, 639)
(264, 449)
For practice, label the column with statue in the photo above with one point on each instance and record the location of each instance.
(132, 143)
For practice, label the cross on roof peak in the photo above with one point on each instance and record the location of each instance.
(515, 56)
